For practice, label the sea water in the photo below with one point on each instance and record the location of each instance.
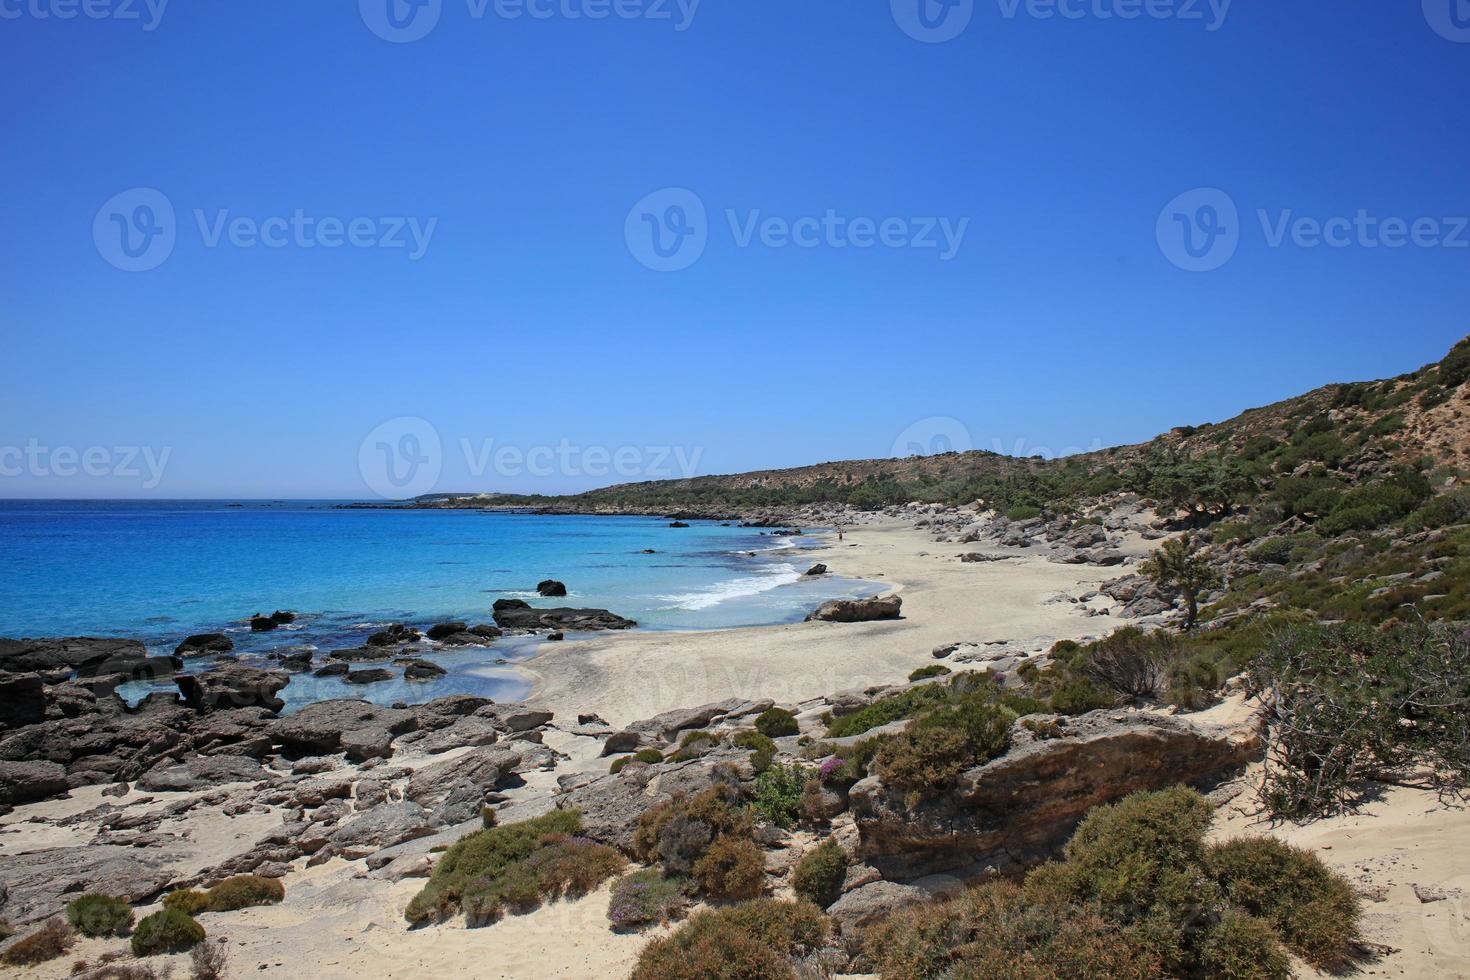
(159, 571)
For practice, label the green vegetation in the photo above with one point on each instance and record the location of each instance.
(245, 891)
(942, 743)
(1138, 894)
(97, 915)
(650, 756)
(762, 748)
(484, 857)
(1179, 567)
(647, 898)
(819, 874)
(731, 868)
(187, 900)
(778, 793)
(924, 673)
(169, 931)
(560, 867)
(750, 941)
(776, 723)
(52, 940)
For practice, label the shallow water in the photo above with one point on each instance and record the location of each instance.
(158, 571)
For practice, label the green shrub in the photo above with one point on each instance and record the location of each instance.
(245, 891)
(819, 874)
(942, 743)
(731, 868)
(50, 941)
(924, 673)
(778, 793)
(560, 867)
(763, 750)
(750, 941)
(1315, 911)
(893, 708)
(99, 915)
(1079, 696)
(693, 745)
(187, 900)
(485, 854)
(647, 898)
(168, 931)
(650, 756)
(677, 833)
(1002, 931)
(776, 723)
(1023, 512)
(1242, 947)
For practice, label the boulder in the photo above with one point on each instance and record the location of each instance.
(317, 729)
(202, 643)
(294, 660)
(471, 731)
(817, 569)
(38, 884)
(202, 772)
(232, 687)
(25, 782)
(71, 653)
(358, 655)
(668, 724)
(441, 630)
(362, 744)
(422, 670)
(369, 675)
(384, 826)
(264, 624)
(551, 588)
(858, 610)
(335, 668)
(518, 614)
(394, 635)
(23, 699)
(1017, 810)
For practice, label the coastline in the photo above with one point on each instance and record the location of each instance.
(628, 676)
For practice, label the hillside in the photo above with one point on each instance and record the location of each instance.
(1338, 436)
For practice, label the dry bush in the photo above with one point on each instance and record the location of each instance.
(53, 939)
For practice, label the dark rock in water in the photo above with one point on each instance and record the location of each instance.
(369, 675)
(551, 588)
(203, 772)
(677, 524)
(556, 636)
(649, 551)
(858, 610)
(232, 687)
(422, 670)
(443, 630)
(22, 699)
(473, 636)
(1020, 808)
(294, 659)
(355, 655)
(517, 614)
(25, 782)
(317, 729)
(394, 635)
(336, 668)
(264, 624)
(202, 643)
(817, 569)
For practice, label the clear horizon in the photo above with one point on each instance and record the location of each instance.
(377, 250)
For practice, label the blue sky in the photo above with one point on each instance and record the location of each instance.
(1060, 315)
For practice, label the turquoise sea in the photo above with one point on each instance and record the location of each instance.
(159, 571)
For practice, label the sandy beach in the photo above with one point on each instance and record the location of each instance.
(1025, 600)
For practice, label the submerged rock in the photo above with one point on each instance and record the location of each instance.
(518, 614)
(202, 643)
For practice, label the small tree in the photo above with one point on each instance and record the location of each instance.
(1179, 567)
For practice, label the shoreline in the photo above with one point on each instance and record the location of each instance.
(628, 676)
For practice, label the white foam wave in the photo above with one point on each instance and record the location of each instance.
(735, 588)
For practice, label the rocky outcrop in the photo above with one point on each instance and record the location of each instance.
(551, 588)
(1018, 809)
(422, 670)
(232, 687)
(204, 772)
(318, 728)
(395, 635)
(264, 624)
(22, 782)
(22, 699)
(858, 610)
(518, 614)
(39, 884)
